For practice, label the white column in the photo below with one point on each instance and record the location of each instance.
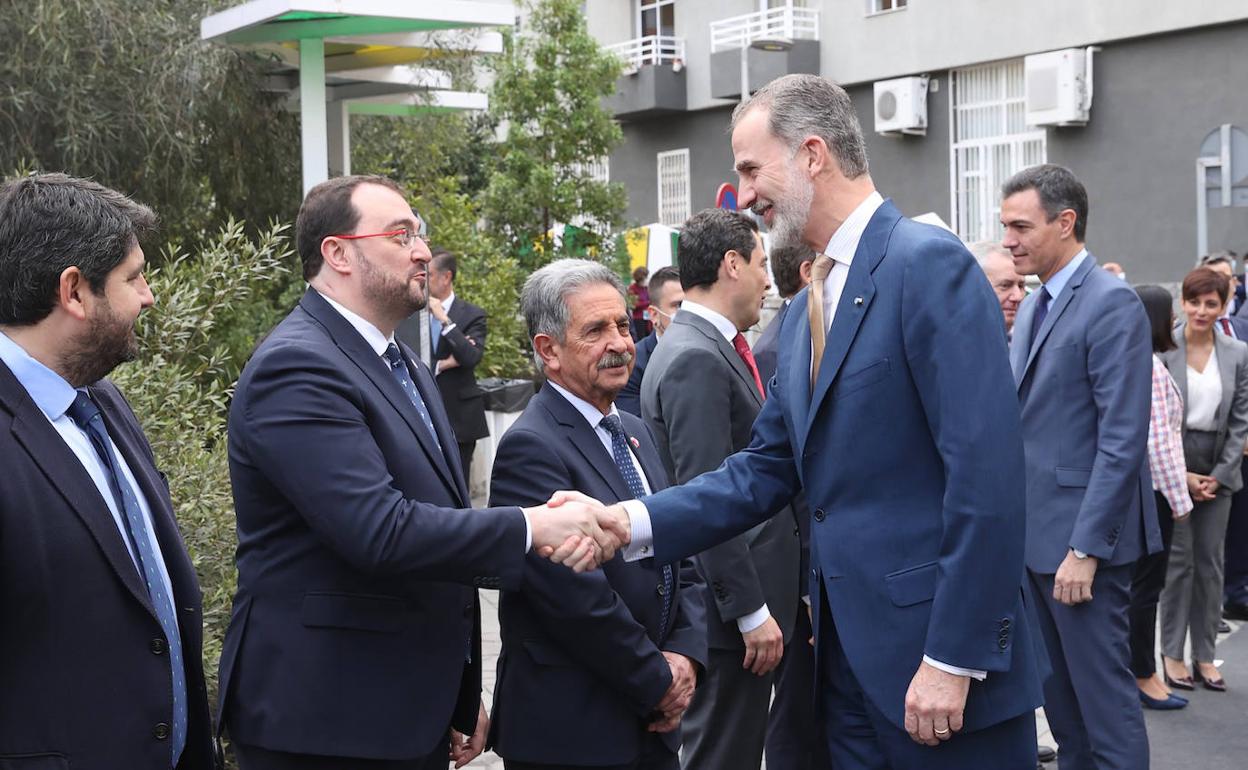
(312, 112)
(339, 119)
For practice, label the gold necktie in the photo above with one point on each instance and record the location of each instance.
(819, 270)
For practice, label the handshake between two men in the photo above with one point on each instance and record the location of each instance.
(578, 531)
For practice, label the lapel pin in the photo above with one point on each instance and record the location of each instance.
(636, 443)
(858, 300)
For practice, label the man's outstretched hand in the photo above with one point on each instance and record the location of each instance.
(577, 531)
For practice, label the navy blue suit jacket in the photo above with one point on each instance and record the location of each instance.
(354, 618)
(1085, 386)
(909, 453)
(629, 399)
(582, 667)
(84, 672)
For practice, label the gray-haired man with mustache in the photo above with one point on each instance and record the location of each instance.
(700, 395)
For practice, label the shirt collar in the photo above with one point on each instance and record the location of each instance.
(450, 300)
(587, 410)
(721, 324)
(371, 334)
(1058, 282)
(50, 392)
(844, 242)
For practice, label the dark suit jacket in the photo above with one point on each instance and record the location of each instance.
(464, 401)
(1232, 414)
(353, 617)
(629, 399)
(581, 668)
(84, 676)
(700, 401)
(766, 353)
(1085, 388)
(909, 452)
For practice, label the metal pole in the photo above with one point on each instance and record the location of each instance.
(745, 71)
(312, 118)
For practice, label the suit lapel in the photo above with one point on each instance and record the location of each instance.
(577, 431)
(428, 390)
(1226, 371)
(1021, 337)
(854, 303)
(798, 383)
(377, 371)
(63, 469)
(730, 354)
(1059, 306)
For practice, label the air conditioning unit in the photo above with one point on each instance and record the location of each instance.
(1058, 87)
(901, 106)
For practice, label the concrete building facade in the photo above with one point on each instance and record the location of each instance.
(1164, 78)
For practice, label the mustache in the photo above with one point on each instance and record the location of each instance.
(612, 360)
(760, 207)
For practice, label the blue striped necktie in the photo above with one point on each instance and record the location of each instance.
(399, 369)
(87, 416)
(624, 462)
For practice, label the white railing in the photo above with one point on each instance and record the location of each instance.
(785, 22)
(651, 49)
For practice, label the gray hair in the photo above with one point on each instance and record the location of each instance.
(544, 298)
(982, 250)
(808, 105)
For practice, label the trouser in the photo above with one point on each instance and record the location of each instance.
(655, 755)
(1147, 581)
(466, 448)
(256, 758)
(1192, 599)
(1235, 580)
(1090, 698)
(795, 739)
(726, 725)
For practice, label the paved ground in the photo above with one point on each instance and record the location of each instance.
(1211, 733)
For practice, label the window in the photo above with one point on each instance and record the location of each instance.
(991, 142)
(674, 195)
(883, 6)
(656, 17)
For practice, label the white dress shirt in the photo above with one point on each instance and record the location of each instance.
(841, 248)
(595, 418)
(1204, 394)
(379, 342)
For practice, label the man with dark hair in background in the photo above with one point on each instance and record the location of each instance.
(456, 344)
(100, 659)
(665, 298)
(700, 396)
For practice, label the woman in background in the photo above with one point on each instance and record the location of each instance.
(1169, 471)
(638, 301)
(1211, 370)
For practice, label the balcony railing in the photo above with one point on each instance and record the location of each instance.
(785, 22)
(651, 49)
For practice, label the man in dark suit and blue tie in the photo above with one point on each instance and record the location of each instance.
(355, 638)
(665, 298)
(1082, 362)
(596, 669)
(902, 429)
(100, 662)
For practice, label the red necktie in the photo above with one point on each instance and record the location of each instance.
(743, 350)
(1226, 327)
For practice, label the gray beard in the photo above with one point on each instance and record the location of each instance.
(791, 216)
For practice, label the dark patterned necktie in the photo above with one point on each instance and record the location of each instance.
(624, 463)
(87, 416)
(1042, 312)
(399, 369)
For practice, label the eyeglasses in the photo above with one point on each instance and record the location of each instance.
(403, 236)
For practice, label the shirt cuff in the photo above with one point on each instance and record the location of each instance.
(447, 328)
(528, 532)
(755, 619)
(806, 600)
(973, 673)
(641, 539)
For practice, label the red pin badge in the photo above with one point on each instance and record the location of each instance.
(636, 443)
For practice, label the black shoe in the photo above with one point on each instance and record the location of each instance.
(1045, 754)
(1224, 627)
(1235, 611)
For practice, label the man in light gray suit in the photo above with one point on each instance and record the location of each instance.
(1081, 355)
(700, 395)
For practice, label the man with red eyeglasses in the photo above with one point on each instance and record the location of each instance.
(355, 637)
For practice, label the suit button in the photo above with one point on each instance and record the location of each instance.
(1003, 643)
(1005, 634)
(161, 732)
(158, 646)
(797, 531)
(819, 514)
(1005, 622)
(660, 590)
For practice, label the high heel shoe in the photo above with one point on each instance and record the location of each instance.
(1171, 703)
(1216, 685)
(1182, 683)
